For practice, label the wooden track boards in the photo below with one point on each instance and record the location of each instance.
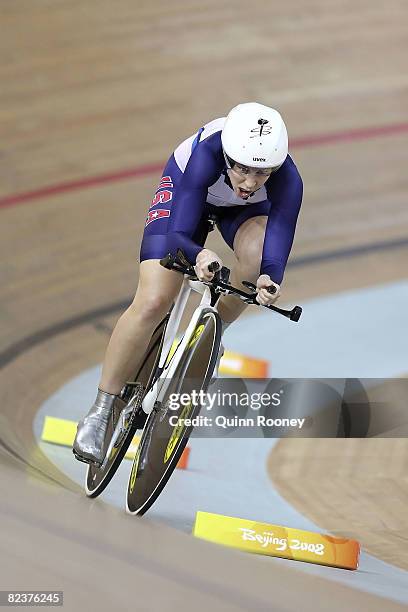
(88, 93)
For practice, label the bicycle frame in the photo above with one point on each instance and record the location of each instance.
(167, 366)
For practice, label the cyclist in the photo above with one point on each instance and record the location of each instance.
(238, 169)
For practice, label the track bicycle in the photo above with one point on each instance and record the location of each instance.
(165, 370)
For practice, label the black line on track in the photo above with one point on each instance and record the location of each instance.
(348, 252)
(90, 317)
(25, 344)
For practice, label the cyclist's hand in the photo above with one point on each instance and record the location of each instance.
(264, 297)
(204, 258)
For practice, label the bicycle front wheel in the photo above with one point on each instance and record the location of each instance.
(165, 436)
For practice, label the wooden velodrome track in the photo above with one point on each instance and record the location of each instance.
(93, 99)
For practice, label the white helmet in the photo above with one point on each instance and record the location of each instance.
(255, 135)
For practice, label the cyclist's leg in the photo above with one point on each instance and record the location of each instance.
(245, 233)
(156, 291)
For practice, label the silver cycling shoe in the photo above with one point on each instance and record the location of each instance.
(90, 437)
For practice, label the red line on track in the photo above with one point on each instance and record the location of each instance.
(85, 183)
(349, 135)
(149, 169)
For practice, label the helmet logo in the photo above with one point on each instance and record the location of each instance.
(259, 159)
(264, 129)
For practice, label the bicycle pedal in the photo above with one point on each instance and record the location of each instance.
(122, 426)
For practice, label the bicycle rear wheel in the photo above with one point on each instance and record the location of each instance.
(98, 478)
(162, 444)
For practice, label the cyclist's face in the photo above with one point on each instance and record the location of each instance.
(245, 180)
